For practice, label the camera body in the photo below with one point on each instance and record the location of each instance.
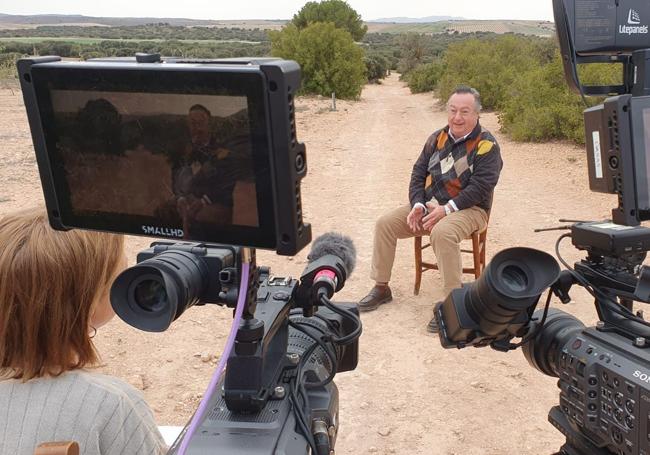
(194, 150)
(604, 384)
(253, 414)
(604, 390)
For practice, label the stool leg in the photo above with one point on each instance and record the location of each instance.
(483, 248)
(417, 249)
(476, 252)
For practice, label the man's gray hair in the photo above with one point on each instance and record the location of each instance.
(461, 89)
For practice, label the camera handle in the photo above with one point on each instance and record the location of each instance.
(259, 357)
(613, 284)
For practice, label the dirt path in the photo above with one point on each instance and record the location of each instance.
(408, 395)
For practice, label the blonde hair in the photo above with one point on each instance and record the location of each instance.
(50, 282)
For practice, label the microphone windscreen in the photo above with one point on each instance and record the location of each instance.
(337, 244)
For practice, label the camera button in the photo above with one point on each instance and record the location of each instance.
(282, 296)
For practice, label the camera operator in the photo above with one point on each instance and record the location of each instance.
(450, 196)
(54, 296)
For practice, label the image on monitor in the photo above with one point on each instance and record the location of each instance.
(183, 159)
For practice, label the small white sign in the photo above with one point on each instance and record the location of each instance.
(598, 161)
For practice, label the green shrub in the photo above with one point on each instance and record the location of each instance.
(329, 58)
(412, 51)
(490, 65)
(338, 12)
(376, 68)
(540, 107)
(8, 70)
(424, 78)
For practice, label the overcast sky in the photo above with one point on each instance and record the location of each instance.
(284, 9)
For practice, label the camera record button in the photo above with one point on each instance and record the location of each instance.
(282, 296)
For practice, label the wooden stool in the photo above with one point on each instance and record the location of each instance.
(479, 240)
(57, 448)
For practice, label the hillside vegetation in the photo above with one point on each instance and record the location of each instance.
(520, 76)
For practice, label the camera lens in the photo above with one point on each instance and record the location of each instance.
(150, 295)
(514, 278)
(155, 292)
(543, 352)
(491, 306)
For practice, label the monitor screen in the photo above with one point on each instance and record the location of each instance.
(183, 155)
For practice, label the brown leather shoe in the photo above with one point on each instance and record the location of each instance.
(433, 326)
(377, 296)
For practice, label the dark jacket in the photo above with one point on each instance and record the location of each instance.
(464, 172)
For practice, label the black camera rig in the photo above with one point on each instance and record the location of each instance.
(277, 394)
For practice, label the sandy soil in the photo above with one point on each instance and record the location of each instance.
(408, 395)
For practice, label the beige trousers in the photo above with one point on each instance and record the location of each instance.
(445, 236)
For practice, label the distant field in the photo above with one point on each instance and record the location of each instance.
(539, 28)
(12, 26)
(429, 27)
(84, 40)
(115, 22)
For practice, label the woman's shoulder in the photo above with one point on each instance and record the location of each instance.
(83, 381)
(130, 410)
(107, 411)
(110, 384)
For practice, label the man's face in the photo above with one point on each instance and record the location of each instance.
(199, 123)
(462, 114)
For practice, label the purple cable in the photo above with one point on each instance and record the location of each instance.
(198, 415)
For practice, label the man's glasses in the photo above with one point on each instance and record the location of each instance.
(463, 112)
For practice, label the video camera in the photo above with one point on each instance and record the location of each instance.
(603, 371)
(205, 152)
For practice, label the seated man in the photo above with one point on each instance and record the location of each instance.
(450, 195)
(203, 177)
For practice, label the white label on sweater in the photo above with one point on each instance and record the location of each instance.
(447, 164)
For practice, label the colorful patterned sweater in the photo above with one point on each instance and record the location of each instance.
(462, 173)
